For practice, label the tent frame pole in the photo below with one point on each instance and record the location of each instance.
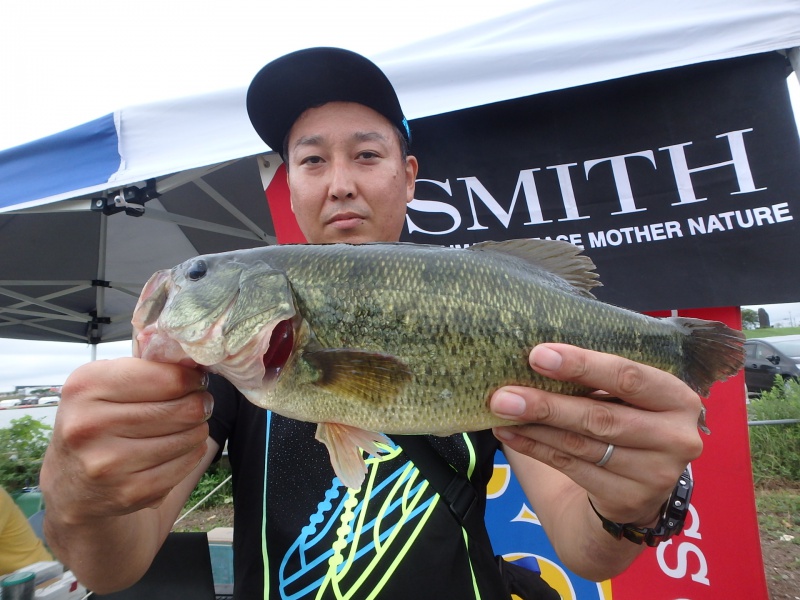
(99, 289)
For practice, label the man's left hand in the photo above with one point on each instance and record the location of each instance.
(654, 431)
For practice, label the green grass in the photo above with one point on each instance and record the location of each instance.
(216, 474)
(779, 514)
(775, 449)
(771, 332)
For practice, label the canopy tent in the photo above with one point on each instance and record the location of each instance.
(549, 46)
(73, 257)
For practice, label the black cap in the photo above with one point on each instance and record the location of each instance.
(286, 87)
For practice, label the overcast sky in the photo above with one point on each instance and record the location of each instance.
(65, 63)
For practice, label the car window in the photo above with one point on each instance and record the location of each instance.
(763, 351)
(789, 347)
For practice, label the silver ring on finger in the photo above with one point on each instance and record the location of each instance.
(606, 457)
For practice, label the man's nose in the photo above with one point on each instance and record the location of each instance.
(342, 183)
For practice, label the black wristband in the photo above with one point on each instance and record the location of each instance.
(670, 521)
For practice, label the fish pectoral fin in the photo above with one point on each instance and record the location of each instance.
(369, 377)
(344, 444)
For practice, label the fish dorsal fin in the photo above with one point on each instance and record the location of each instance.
(562, 259)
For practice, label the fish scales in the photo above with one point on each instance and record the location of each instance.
(462, 330)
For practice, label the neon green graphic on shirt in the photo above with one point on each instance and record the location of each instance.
(371, 532)
(339, 566)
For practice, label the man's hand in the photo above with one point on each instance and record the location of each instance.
(654, 432)
(127, 432)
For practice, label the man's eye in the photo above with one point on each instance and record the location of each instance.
(311, 160)
(368, 154)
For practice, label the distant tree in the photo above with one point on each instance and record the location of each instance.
(763, 319)
(749, 318)
(22, 447)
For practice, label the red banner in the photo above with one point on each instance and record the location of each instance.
(718, 555)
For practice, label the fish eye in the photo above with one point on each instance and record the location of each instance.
(197, 270)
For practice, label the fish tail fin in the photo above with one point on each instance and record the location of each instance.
(713, 352)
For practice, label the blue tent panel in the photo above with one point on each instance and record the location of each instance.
(84, 156)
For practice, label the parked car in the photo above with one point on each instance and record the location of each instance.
(767, 357)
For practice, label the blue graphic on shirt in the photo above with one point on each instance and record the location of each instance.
(373, 527)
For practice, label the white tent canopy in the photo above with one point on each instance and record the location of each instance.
(551, 45)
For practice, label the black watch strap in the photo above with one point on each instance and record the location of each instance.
(670, 521)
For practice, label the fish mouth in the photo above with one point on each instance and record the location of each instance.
(281, 343)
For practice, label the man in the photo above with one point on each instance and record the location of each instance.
(131, 440)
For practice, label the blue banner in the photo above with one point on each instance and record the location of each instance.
(81, 157)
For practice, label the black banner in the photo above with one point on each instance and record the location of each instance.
(682, 185)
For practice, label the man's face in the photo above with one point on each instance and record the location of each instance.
(347, 178)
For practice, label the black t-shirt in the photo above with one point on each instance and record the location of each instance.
(392, 539)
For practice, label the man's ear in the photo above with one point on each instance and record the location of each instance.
(289, 185)
(412, 167)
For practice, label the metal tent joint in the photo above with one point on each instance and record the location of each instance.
(130, 199)
(99, 321)
(93, 327)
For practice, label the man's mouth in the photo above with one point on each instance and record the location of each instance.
(346, 220)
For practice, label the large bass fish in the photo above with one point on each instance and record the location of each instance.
(402, 338)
